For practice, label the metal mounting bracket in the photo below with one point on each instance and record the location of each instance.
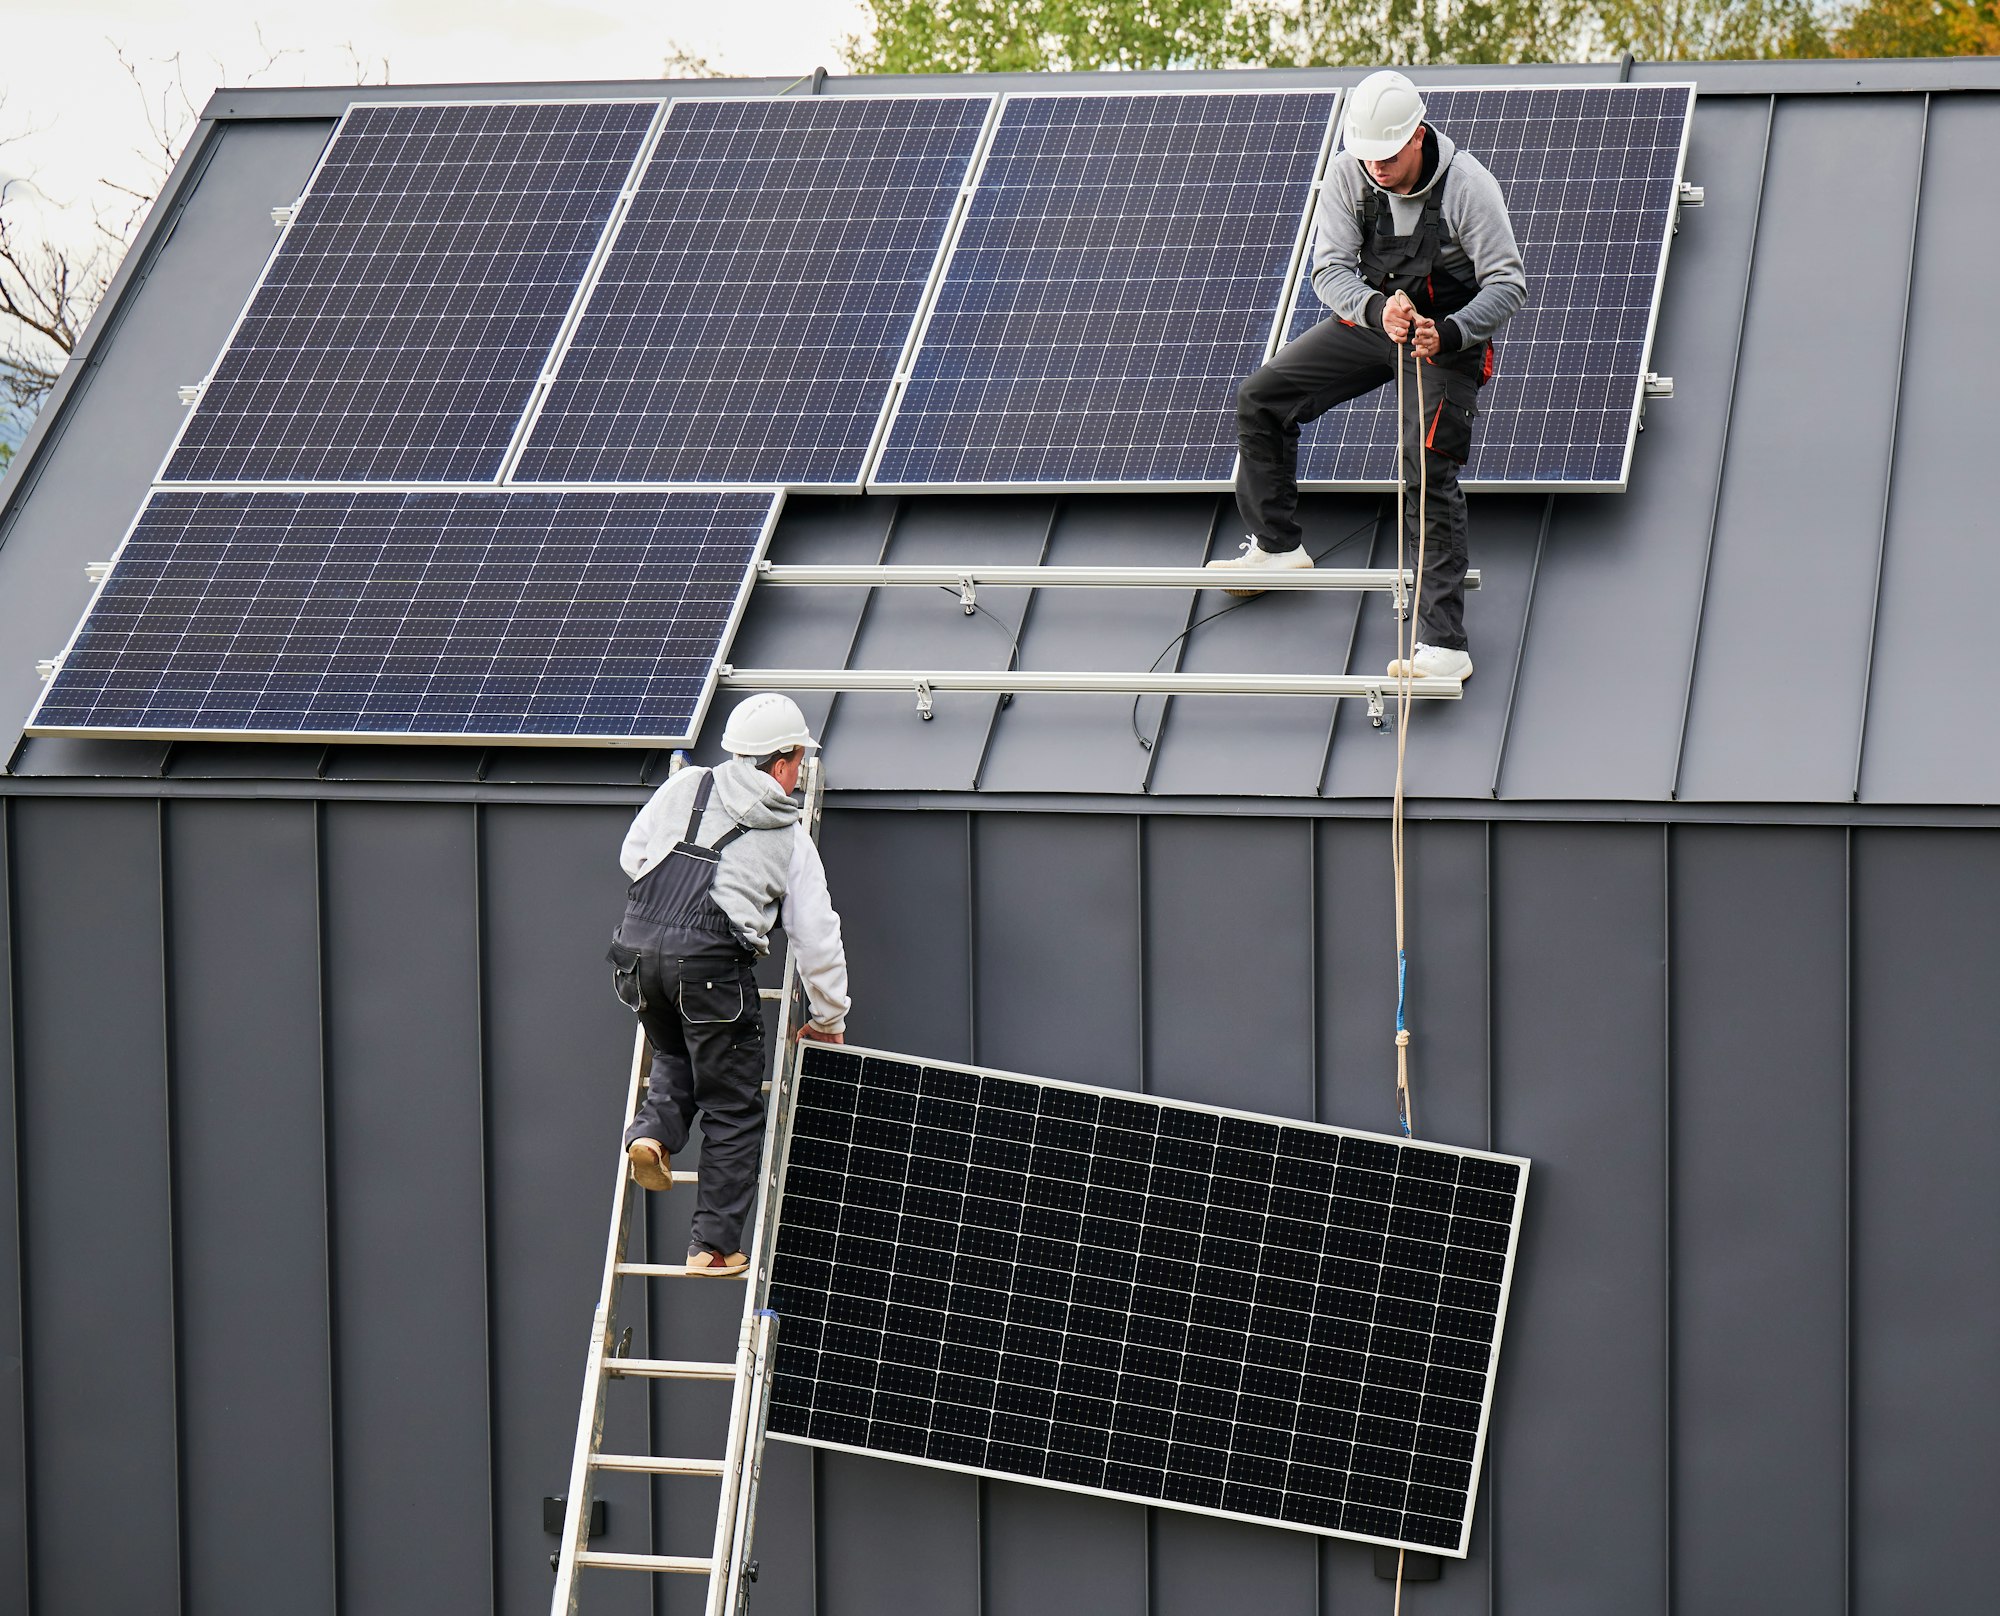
(280, 217)
(968, 596)
(192, 395)
(1376, 707)
(97, 571)
(926, 708)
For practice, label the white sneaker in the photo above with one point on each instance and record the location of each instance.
(1433, 662)
(1256, 558)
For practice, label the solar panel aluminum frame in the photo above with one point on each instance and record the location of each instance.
(787, 1102)
(1302, 289)
(160, 478)
(416, 737)
(1299, 245)
(910, 338)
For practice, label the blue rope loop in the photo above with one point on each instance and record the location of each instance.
(1402, 982)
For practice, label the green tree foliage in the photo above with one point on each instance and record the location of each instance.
(6, 456)
(1713, 30)
(1415, 32)
(1015, 36)
(1921, 28)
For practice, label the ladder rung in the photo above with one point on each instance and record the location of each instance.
(645, 1562)
(770, 993)
(670, 1369)
(684, 1178)
(661, 1270)
(648, 1465)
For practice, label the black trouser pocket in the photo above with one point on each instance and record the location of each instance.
(625, 976)
(711, 994)
(1450, 403)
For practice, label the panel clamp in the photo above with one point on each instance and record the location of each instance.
(97, 571)
(926, 707)
(48, 668)
(1658, 386)
(191, 395)
(968, 596)
(284, 215)
(1376, 709)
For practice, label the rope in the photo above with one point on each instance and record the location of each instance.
(1399, 1582)
(1406, 650)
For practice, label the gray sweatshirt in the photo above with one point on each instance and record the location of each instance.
(772, 870)
(1481, 247)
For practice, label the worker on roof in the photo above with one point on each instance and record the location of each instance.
(715, 857)
(1414, 252)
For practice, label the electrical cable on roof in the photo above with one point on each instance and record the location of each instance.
(1222, 611)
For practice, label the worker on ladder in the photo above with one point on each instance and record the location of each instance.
(715, 857)
(1413, 246)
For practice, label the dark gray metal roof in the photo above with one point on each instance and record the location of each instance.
(1764, 617)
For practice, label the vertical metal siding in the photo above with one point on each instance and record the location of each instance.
(1928, 739)
(1789, 610)
(558, 1049)
(13, 1340)
(405, 1117)
(1618, 602)
(1579, 1084)
(250, 1207)
(96, 1242)
(1926, 1459)
(1759, 1218)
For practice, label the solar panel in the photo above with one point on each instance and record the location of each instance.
(565, 617)
(401, 326)
(1116, 1294)
(1591, 175)
(761, 292)
(1121, 267)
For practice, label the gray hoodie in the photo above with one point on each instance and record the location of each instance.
(771, 872)
(1480, 248)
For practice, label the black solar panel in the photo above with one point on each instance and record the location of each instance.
(1590, 174)
(1122, 266)
(444, 615)
(751, 315)
(413, 303)
(1096, 1290)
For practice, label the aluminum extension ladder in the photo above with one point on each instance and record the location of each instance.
(728, 1567)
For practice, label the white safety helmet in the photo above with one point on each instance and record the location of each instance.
(1383, 111)
(766, 723)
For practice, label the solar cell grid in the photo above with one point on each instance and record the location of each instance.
(1121, 267)
(412, 305)
(1590, 176)
(751, 315)
(1050, 1283)
(442, 615)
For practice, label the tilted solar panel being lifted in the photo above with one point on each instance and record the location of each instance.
(1122, 266)
(1116, 1294)
(413, 302)
(422, 614)
(1591, 174)
(752, 313)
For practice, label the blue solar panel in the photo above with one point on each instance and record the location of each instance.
(1121, 269)
(422, 613)
(1590, 175)
(400, 329)
(749, 320)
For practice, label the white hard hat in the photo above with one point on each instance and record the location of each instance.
(1383, 111)
(765, 723)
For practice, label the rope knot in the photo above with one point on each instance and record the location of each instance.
(1402, 1038)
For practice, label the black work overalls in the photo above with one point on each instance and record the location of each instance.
(1336, 361)
(677, 964)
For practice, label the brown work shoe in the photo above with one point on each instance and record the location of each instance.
(650, 1168)
(715, 1265)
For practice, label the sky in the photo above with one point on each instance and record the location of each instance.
(71, 116)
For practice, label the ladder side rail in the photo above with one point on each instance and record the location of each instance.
(732, 1538)
(751, 1474)
(603, 1324)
